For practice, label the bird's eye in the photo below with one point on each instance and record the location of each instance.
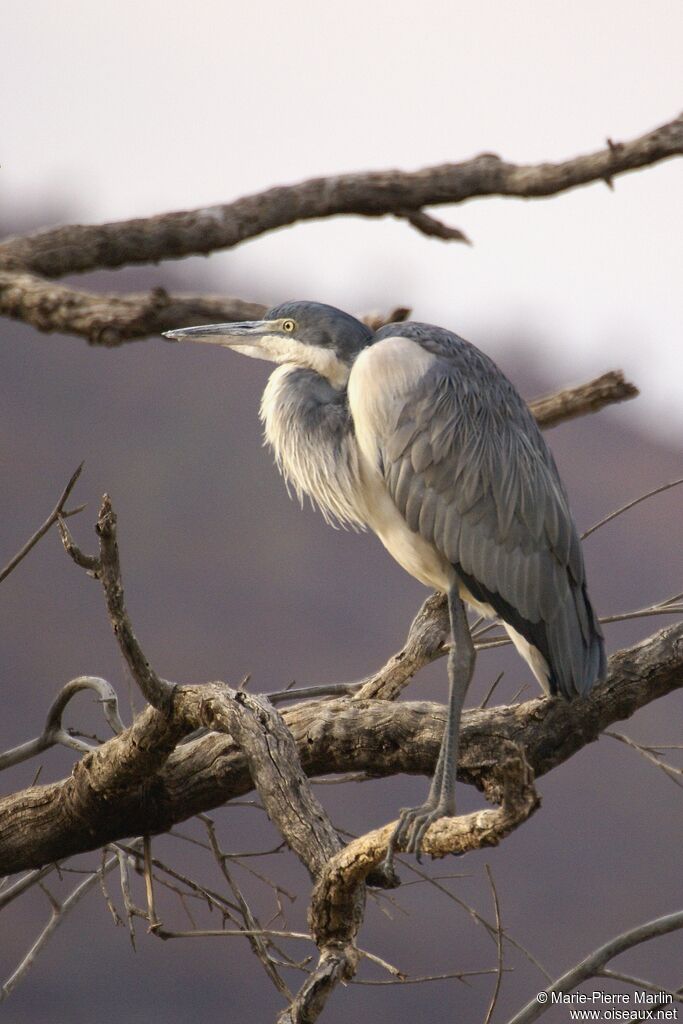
(288, 326)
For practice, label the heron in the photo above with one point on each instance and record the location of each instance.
(416, 434)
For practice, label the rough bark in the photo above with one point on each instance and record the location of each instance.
(46, 823)
(110, 320)
(76, 248)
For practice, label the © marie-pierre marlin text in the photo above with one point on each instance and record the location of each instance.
(639, 997)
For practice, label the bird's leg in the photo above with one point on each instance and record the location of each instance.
(440, 803)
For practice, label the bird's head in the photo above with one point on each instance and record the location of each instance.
(307, 334)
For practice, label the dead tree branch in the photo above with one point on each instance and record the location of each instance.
(151, 787)
(590, 397)
(53, 731)
(106, 568)
(110, 320)
(77, 248)
(59, 912)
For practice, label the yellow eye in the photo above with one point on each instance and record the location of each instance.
(288, 326)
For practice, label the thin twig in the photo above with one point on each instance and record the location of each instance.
(631, 504)
(491, 689)
(53, 731)
(154, 922)
(56, 919)
(421, 980)
(648, 986)
(23, 884)
(475, 915)
(58, 512)
(251, 922)
(499, 947)
(671, 772)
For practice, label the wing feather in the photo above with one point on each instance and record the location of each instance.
(467, 467)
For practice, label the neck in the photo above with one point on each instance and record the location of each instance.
(294, 354)
(308, 425)
(325, 363)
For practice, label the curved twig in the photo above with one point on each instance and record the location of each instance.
(53, 733)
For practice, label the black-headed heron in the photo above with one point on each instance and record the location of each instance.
(415, 433)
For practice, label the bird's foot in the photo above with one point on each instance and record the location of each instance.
(413, 822)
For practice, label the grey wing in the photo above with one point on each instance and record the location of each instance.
(466, 465)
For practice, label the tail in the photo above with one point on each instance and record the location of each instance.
(575, 646)
(566, 651)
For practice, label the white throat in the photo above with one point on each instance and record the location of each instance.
(280, 349)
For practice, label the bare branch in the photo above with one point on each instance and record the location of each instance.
(76, 248)
(53, 732)
(58, 914)
(426, 639)
(592, 965)
(23, 884)
(251, 922)
(287, 795)
(631, 504)
(58, 512)
(110, 320)
(415, 869)
(273, 760)
(591, 397)
(107, 568)
(652, 755)
(499, 947)
(432, 227)
(648, 986)
(332, 736)
(424, 979)
(333, 914)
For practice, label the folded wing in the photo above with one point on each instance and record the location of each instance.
(467, 467)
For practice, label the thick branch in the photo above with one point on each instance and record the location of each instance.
(330, 910)
(273, 761)
(428, 633)
(75, 248)
(110, 320)
(290, 803)
(43, 823)
(59, 820)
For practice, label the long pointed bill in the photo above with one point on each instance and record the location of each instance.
(249, 337)
(248, 332)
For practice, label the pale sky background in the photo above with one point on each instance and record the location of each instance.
(120, 109)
